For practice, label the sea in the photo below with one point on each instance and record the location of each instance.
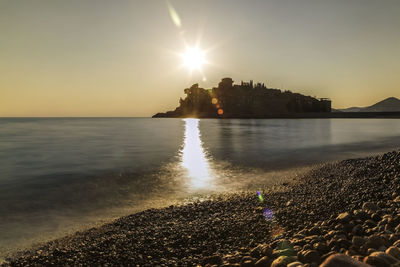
(62, 175)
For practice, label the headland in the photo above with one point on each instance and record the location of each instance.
(255, 100)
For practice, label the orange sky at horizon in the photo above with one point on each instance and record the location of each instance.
(121, 58)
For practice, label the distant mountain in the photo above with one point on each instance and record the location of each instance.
(388, 105)
(352, 109)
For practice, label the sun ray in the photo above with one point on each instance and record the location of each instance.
(194, 58)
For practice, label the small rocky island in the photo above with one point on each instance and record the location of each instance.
(245, 100)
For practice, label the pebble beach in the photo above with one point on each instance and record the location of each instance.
(344, 213)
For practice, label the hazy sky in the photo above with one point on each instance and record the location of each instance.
(119, 58)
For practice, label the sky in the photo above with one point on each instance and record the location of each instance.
(122, 57)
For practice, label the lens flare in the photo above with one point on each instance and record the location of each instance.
(193, 58)
(260, 197)
(268, 214)
(174, 15)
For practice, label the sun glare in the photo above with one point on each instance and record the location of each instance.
(193, 58)
(194, 158)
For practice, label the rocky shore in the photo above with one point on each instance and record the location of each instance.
(341, 214)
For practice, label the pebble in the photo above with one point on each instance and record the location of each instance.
(358, 241)
(343, 217)
(283, 261)
(384, 256)
(295, 264)
(375, 241)
(341, 260)
(340, 214)
(370, 207)
(394, 252)
(263, 262)
(310, 256)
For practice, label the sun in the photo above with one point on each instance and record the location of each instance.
(193, 58)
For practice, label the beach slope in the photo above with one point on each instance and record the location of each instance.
(349, 207)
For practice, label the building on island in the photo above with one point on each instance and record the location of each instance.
(245, 100)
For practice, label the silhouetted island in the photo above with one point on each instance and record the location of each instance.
(246, 100)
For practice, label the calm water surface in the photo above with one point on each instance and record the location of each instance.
(59, 175)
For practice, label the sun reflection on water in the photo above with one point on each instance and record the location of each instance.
(194, 159)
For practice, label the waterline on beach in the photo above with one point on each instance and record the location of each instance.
(60, 175)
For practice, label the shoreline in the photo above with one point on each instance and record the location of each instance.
(255, 179)
(305, 115)
(239, 227)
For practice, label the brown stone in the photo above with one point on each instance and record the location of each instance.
(339, 260)
(263, 262)
(394, 252)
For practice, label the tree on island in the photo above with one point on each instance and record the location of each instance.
(246, 100)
